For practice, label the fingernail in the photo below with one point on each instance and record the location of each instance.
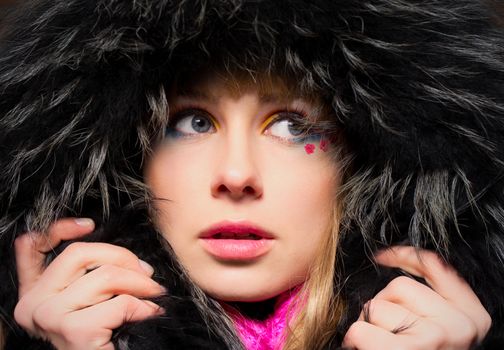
(146, 267)
(84, 222)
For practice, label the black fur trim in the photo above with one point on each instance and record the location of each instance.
(417, 89)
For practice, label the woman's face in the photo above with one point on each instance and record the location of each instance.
(244, 193)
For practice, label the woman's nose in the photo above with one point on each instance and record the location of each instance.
(237, 176)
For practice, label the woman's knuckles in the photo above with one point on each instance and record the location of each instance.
(108, 275)
(23, 242)
(440, 332)
(429, 336)
(483, 324)
(71, 331)
(399, 287)
(117, 280)
(356, 331)
(463, 333)
(74, 331)
(23, 314)
(79, 253)
(47, 317)
(89, 255)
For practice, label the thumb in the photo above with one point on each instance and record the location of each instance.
(32, 247)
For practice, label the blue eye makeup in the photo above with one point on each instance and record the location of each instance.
(287, 126)
(191, 122)
(291, 127)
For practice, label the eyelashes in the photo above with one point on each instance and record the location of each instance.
(291, 127)
(191, 122)
(288, 126)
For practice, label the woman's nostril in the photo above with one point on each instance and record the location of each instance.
(245, 190)
(222, 188)
(248, 190)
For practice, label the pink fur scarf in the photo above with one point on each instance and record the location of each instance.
(267, 334)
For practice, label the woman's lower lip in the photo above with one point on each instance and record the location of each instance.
(237, 249)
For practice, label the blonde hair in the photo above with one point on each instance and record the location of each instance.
(318, 309)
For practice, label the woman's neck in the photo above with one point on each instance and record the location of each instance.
(259, 311)
(261, 325)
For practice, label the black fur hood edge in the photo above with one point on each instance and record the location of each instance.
(416, 87)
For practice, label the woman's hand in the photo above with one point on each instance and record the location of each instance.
(86, 292)
(409, 315)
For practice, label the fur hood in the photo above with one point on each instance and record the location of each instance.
(417, 88)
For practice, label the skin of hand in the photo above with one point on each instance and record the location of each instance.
(85, 293)
(407, 314)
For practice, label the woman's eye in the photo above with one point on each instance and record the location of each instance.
(191, 122)
(287, 128)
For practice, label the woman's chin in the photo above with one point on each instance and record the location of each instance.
(249, 291)
(245, 283)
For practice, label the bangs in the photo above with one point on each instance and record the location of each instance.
(267, 84)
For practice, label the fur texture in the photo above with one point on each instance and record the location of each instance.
(417, 89)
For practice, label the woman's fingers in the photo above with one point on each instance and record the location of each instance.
(103, 283)
(80, 258)
(428, 265)
(86, 291)
(417, 297)
(387, 315)
(420, 304)
(407, 314)
(445, 282)
(93, 289)
(89, 329)
(31, 248)
(365, 336)
(421, 335)
(123, 308)
(74, 263)
(64, 230)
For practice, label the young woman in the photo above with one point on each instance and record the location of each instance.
(247, 209)
(234, 170)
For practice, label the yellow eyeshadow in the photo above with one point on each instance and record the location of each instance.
(267, 122)
(215, 122)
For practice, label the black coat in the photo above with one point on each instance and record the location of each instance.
(417, 89)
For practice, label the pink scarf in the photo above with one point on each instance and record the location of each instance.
(266, 334)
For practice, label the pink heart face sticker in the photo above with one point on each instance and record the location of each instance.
(309, 148)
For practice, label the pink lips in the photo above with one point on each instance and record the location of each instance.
(236, 241)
